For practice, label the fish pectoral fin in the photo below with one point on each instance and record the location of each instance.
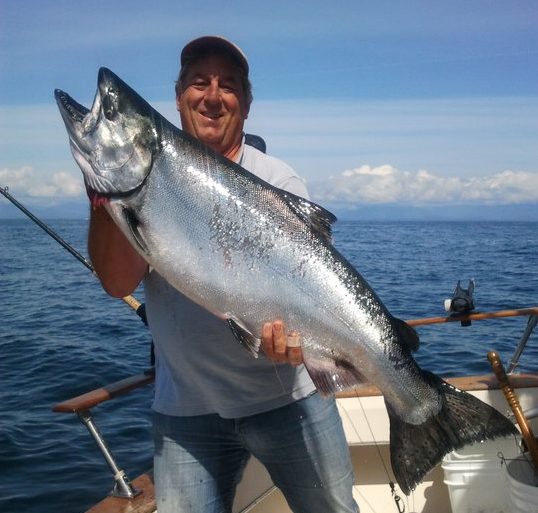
(249, 341)
(408, 335)
(133, 223)
(319, 218)
(332, 375)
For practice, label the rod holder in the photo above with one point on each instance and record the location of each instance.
(122, 487)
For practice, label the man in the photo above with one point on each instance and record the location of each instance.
(214, 404)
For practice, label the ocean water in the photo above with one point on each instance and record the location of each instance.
(61, 335)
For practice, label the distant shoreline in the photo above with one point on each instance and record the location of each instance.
(373, 212)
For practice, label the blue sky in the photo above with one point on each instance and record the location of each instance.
(427, 104)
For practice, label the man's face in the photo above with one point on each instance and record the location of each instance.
(212, 104)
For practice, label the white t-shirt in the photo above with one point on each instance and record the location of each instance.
(200, 367)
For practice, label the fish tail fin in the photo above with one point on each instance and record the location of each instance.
(463, 419)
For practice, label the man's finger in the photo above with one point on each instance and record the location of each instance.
(267, 339)
(295, 354)
(294, 339)
(280, 341)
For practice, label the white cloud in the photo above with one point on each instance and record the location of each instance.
(388, 185)
(27, 181)
(457, 150)
(455, 137)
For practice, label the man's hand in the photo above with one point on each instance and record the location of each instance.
(280, 346)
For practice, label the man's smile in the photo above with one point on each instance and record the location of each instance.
(211, 115)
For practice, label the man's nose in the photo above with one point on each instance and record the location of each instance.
(213, 92)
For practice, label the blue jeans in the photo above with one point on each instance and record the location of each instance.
(199, 460)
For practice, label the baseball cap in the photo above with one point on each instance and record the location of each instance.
(205, 43)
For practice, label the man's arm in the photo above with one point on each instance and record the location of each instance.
(117, 264)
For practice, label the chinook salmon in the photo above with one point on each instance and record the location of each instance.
(251, 253)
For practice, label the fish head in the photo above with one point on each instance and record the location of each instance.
(115, 141)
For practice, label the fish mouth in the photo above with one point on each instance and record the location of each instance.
(71, 110)
(78, 120)
(75, 117)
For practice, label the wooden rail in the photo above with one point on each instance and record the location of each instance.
(90, 399)
(99, 395)
(466, 383)
(478, 316)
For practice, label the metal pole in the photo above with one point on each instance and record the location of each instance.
(123, 487)
(531, 324)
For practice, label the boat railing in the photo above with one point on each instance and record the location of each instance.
(81, 406)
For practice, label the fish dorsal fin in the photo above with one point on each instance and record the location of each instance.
(407, 335)
(317, 217)
(249, 341)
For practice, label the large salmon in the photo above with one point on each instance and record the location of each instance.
(252, 253)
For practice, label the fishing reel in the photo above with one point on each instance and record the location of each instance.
(461, 301)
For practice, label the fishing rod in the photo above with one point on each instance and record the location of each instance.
(130, 300)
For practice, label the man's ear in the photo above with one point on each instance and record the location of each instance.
(177, 90)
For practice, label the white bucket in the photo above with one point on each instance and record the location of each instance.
(474, 477)
(522, 485)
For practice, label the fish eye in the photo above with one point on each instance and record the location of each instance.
(110, 104)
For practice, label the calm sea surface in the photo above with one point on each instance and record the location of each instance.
(60, 336)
